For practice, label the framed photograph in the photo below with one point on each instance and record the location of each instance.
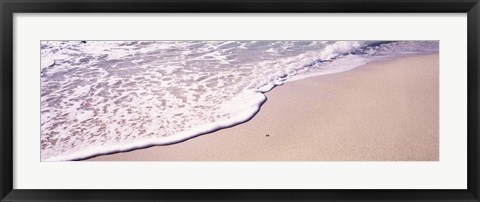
(232, 100)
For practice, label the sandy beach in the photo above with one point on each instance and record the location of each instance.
(383, 111)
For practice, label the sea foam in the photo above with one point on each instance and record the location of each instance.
(103, 97)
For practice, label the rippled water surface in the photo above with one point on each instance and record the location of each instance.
(106, 96)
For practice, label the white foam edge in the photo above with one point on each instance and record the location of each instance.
(348, 63)
(246, 106)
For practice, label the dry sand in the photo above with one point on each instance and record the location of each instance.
(385, 111)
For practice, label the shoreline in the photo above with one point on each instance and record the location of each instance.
(333, 127)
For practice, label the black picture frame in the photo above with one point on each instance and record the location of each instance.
(9, 7)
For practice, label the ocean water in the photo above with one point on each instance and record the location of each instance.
(100, 97)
